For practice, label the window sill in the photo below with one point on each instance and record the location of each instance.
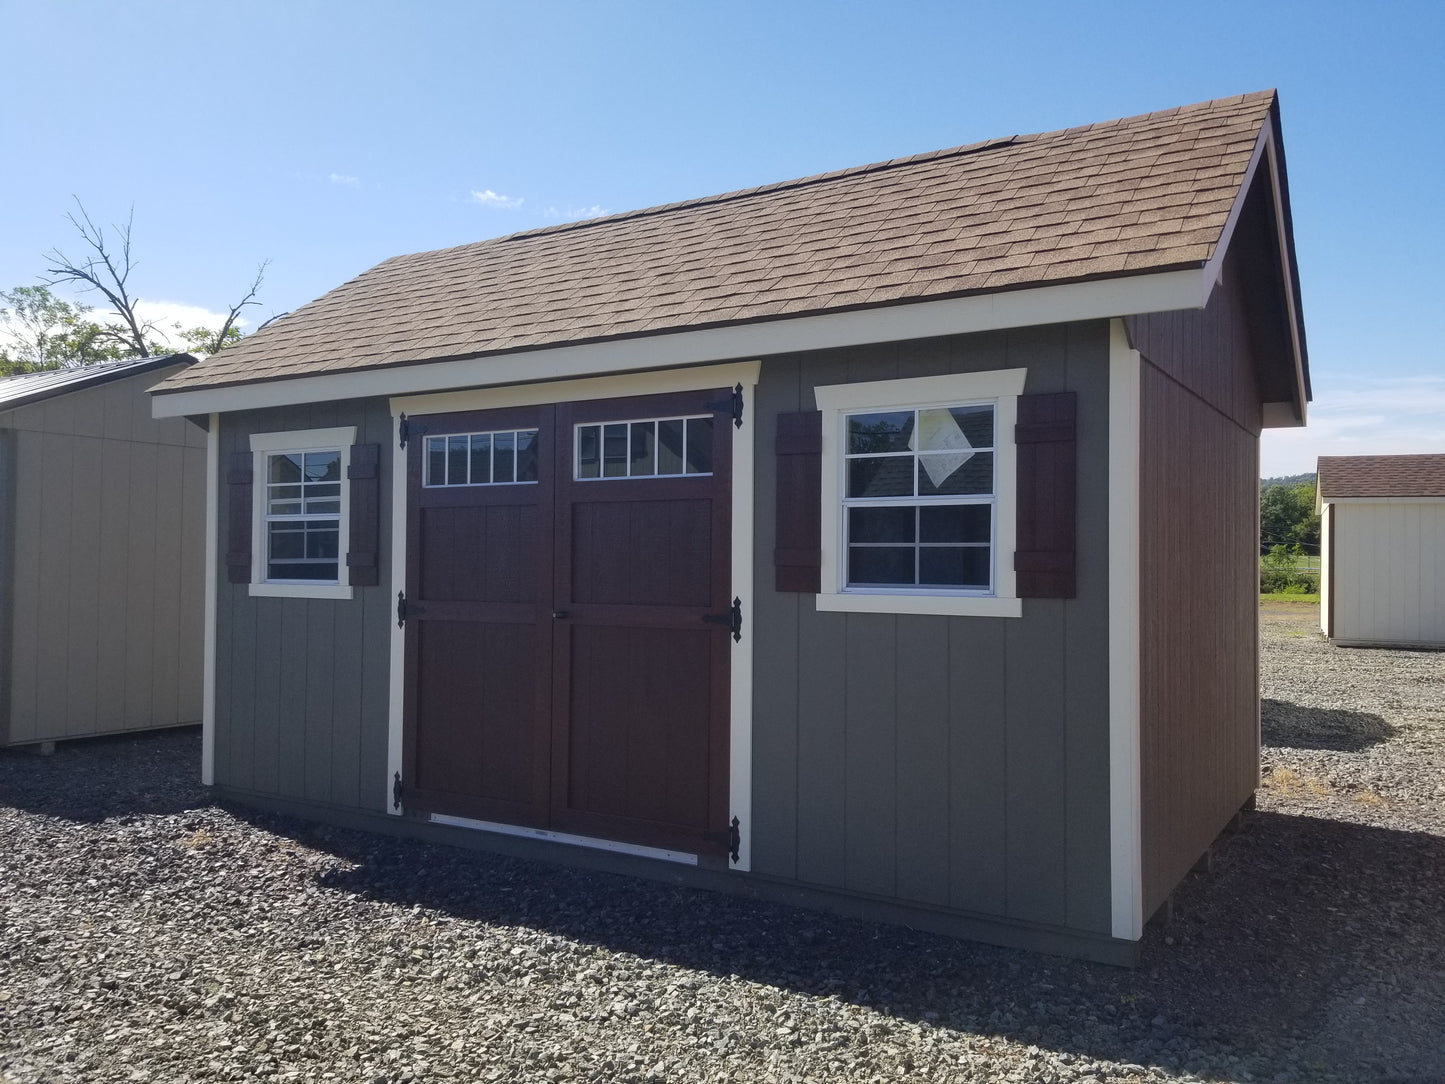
(301, 590)
(943, 605)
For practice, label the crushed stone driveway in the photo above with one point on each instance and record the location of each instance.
(149, 934)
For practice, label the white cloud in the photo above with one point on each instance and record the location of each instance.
(1388, 416)
(573, 214)
(344, 179)
(487, 198)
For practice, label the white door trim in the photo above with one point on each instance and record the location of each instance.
(744, 454)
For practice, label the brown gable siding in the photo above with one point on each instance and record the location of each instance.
(1199, 470)
(1142, 194)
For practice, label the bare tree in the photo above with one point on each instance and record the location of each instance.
(106, 270)
(106, 273)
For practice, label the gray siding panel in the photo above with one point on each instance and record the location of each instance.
(957, 762)
(304, 682)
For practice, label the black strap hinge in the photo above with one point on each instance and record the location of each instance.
(396, 789)
(733, 405)
(406, 428)
(733, 619)
(735, 837)
(405, 609)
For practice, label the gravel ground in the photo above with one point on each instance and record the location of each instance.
(151, 935)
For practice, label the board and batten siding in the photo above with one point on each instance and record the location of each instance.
(1387, 572)
(1200, 421)
(958, 763)
(103, 565)
(302, 683)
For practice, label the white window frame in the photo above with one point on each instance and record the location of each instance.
(264, 445)
(1001, 387)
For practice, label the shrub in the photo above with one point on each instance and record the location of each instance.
(1278, 574)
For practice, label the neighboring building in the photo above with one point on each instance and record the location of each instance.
(883, 541)
(1382, 547)
(102, 520)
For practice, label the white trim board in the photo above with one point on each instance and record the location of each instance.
(213, 570)
(1125, 781)
(740, 729)
(1160, 292)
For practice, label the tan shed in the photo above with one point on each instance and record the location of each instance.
(102, 528)
(1382, 531)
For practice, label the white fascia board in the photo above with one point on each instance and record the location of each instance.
(1381, 500)
(1162, 292)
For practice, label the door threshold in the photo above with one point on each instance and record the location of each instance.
(679, 857)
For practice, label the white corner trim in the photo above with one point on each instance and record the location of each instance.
(1161, 292)
(213, 568)
(396, 684)
(1125, 781)
(576, 391)
(680, 857)
(1003, 386)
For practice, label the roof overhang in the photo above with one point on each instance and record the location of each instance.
(1094, 300)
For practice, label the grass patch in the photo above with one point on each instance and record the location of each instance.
(1290, 596)
(1289, 784)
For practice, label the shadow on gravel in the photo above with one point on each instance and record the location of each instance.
(92, 779)
(1290, 726)
(1312, 944)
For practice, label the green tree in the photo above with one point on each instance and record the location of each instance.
(40, 331)
(1287, 517)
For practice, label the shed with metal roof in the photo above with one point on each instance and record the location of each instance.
(1382, 534)
(883, 540)
(101, 554)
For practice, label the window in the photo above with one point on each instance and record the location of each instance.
(504, 458)
(650, 448)
(300, 522)
(918, 501)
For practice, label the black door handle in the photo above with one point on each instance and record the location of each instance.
(559, 614)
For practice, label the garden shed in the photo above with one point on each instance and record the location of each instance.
(881, 541)
(1382, 549)
(102, 521)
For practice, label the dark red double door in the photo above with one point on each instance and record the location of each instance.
(567, 647)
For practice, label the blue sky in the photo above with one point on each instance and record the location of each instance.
(326, 137)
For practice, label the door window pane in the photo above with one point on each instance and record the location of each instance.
(501, 457)
(645, 448)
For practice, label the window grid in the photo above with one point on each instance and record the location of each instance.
(923, 562)
(496, 458)
(643, 448)
(303, 516)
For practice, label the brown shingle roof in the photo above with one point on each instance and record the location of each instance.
(1144, 194)
(1381, 476)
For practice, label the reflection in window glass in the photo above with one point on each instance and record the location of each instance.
(503, 457)
(647, 448)
(919, 497)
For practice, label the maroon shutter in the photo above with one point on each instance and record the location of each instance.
(1047, 488)
(238, 518)
(797, 558)
(364, 475)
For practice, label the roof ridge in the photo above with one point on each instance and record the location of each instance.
(851, 171)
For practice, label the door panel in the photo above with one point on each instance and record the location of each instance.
(560, 672)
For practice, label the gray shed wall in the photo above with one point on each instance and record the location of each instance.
(104, 538)
(957, 762)
(301, 684)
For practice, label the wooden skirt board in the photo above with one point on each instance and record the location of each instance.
(567, 649)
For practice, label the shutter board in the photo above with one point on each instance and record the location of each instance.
(238, 517)
(798, 541)
(364, 529)
(1047, 495)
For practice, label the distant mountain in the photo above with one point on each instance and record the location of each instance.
(1286, 480)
